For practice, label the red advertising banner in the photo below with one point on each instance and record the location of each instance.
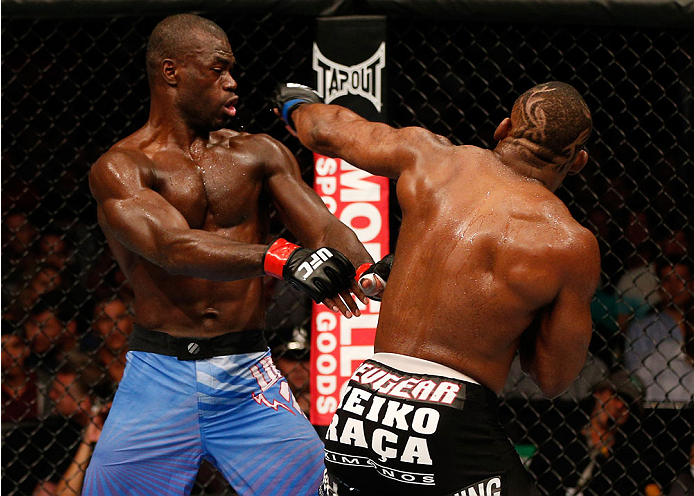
(338, 344)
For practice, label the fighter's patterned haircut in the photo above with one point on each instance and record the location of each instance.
(173, 36)
(555, 117)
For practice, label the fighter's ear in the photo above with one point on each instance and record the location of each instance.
(503, 129)
(169, 72)
(579, 162)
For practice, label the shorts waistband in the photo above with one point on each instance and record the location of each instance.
(416, 381)
(196, 348)
(414, 365)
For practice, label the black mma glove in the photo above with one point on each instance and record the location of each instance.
(320, 273)
(288, 96)
(379, 269)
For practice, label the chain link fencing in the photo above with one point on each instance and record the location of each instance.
(73, 87)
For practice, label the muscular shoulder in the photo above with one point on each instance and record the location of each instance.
(260, 147)
(562, 234)
(232, 139)
(118, 170)
(577, 254)
(544, 250)
(425, 150)
(432, 161)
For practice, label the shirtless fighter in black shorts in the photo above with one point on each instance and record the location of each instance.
(488, 262)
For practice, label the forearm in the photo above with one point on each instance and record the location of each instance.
(189, 252)
(73, 478)
(553, 371)
(338, 235)
(550, 368)
(551, 382)
(325, 129)
(209, 256)
(158, 233)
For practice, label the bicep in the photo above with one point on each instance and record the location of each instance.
(134, 214)
(561, 343)
(565, 328)
(143, 223)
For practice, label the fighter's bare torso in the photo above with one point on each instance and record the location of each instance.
(480, 251)
(216, 187)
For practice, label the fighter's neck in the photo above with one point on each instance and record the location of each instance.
(167, 127)
(524, 163)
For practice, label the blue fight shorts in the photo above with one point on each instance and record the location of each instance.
(236, 411)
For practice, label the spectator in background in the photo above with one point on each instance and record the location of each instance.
(104, 279)
(602, 457)
(113, 323)
(291, 356)
(19, 236)
(659, 346)
(51, 330)
(84, 417)
(608, 310)
(20, 399)
(638, 286)
(684, 484)
(519, 385)
(53, 249)
(610, 316)
(36, 281)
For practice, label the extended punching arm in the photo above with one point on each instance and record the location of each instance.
(336, 131)
(289, 96)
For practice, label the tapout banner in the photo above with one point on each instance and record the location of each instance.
(349, 63)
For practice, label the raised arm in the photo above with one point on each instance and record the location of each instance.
(335, 131)
(373, 146)
(146, 224)
(554, 353)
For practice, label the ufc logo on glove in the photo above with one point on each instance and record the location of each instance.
(316, 260)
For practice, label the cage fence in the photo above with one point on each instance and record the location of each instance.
(73, 87)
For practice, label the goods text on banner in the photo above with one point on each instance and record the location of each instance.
(339, 345)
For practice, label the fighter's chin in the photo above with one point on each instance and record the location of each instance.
(220, 123)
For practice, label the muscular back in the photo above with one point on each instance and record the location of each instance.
(481, 251)
(488, 261)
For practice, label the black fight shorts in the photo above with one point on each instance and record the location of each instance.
(426, 431)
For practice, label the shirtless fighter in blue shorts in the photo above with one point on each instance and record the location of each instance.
(184, 205)
(488, 262)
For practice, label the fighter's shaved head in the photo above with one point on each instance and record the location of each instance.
(554, 117)
(175, 36)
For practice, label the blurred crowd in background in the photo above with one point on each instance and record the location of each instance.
(74, 87)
